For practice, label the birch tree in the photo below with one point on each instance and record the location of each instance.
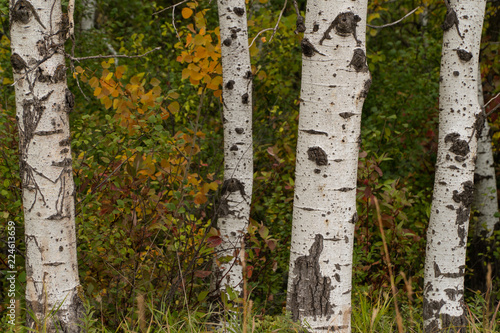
(460, 124)
(236, 194)
(335, 83)
(485, 193)
(43, 101)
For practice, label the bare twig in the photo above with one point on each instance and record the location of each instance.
(393, 23)
(112, 56)
(253, 40)
(491, 100)
(278, 22)
(164, 9)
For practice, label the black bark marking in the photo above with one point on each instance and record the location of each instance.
(462, 235)
(244, 98)
(366, 89)
(42, 48)
(358, 61)
(462, 215)
(233, 185)
(70, 100)
(239, 130)
(59, 74)
(18, 63)
(458, 147)
(344, 24)
(346, 115)
(239, 11)
(308, 49)
(479, 178)
(47, 133)
(456, 73)
(65, 142)
(479, 124)
(300, 26)
(464, 55)
(227, 42)
(230, 85)
(310, 290)
(315, 132)
(466, 196)
(42, 77)
(354, 218)
(248, 75)
(22, 12)
(223, 209)
(451, 20)
(317, 155)
(438, 273)
(315, 27)
(345, 189)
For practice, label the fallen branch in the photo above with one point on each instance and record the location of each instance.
(112, 56)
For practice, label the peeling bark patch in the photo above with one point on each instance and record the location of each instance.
(344, 24)
(317, 155)
(18, 63)
(308, 49)
(233, 185)
(464, 55)
(230, 85)
(315, 132)
(239, 11)
(451, 20)
(310, 290)
(466, 196)
(458, 147)
(359, 61)
(346, 115)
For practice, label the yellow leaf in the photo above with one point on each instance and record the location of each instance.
(119, 71)
(94, 82)
(187, 12)
(185, 73)
(105, 64)
(109, 76)
(79, 69)
(107, 102)
(174, 107)
(155, 82)
(97, 91)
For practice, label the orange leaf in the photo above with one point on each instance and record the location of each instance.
(119, 71)
(187, 12)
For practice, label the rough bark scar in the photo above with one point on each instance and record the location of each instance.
(344, 24)
(18, 63)
(300, 26)
(479, 124)
(22, 12)
(346, 115)
(233, 185)
(464, 55)
(308, 49)
(244, 98)
(317, 155)
(70, 100)
(358, 61)
(310, 290)
(466, 196)
(366, 89)
(239, 11)
(451, 20)
(230, 85)
(479, 178)
(458, 147)
(314, 132)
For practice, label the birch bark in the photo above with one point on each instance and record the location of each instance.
(335, 83)
(485, 193)
(43, 102)
(460, 122)
(236, 194)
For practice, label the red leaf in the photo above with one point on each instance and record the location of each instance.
(214, 241)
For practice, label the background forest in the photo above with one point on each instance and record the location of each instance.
(147, 161)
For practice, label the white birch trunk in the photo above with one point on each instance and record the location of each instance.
(335, 82)
(459, 121)
(88, 16)
(236, 194)
(43, 102)
(485, 192)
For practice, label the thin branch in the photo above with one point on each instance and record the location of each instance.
(491, 99)
(278, 22)
(260, 32)
(393, 23)
(112, 56)
(164, 9)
